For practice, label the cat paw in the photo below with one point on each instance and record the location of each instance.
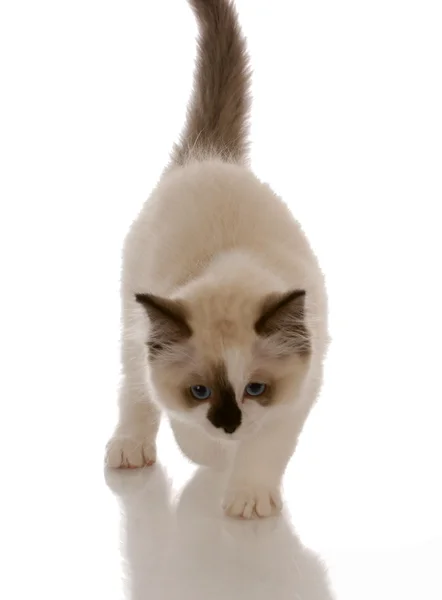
(251, 501)
(124, 452)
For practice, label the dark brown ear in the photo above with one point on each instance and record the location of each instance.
(283, 316)
(168, 319)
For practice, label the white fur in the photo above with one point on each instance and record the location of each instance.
(236, 368)
(208, 227)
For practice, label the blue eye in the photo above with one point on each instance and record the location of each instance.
(255, 389)
(200, 392)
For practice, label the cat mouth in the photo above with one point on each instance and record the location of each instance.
(239, 433)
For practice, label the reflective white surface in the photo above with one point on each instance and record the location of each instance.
(93, 94)
(159, 533)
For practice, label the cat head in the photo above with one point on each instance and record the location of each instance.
(226, 360)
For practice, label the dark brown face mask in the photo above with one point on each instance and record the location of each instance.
(224, 413)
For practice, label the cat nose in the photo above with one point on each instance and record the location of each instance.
(230, 428)
(226, 416)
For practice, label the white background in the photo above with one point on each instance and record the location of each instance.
(347, 127)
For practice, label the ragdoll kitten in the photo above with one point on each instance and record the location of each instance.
(224, 306)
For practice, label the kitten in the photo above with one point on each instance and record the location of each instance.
(224, 304)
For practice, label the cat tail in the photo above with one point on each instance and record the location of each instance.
(218, 110)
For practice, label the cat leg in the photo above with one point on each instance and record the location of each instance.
(254, 487)
(133, 443)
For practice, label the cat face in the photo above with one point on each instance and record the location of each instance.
(227, 361)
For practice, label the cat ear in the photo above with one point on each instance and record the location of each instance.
(283, 318)
(168, 320)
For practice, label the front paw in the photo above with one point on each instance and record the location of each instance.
(248, 501)
(125, 452)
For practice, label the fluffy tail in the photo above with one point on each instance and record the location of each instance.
(217, 116)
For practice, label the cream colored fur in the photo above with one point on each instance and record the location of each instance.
(215, 236)
(220, 241)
